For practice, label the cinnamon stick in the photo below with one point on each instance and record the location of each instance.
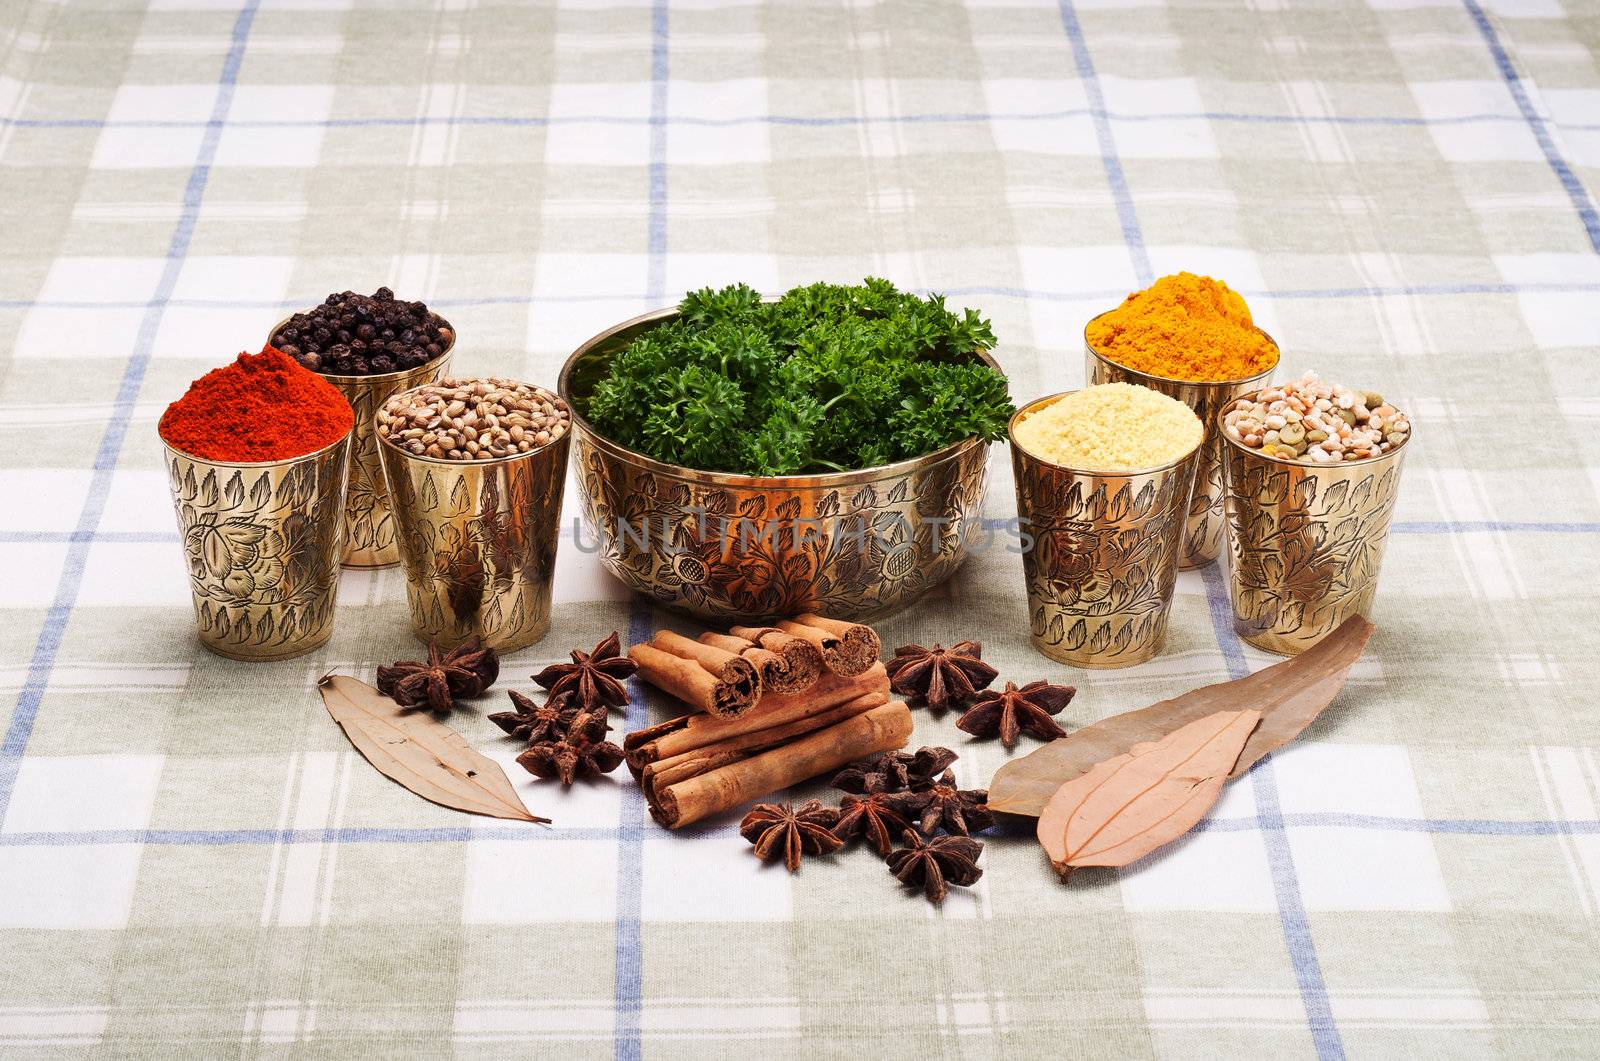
(840, 656)
(878, 730)
(691, 731)
(802, 656)
(857, 641)
(788, 671)
(693, 682)
(743, 681)
(687, 764)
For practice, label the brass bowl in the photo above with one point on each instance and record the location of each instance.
(1305, 541)
(369, 539)
(478, 540)
(1202, 532)
(1103, 560)
(855, 545)
(261, 544)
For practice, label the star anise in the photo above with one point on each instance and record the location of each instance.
(894, 771)
(593, 678)
(533, 722)
(872, 817)
(781, 829)
(942, 804)
(936, 862)
(1011, 711)
(582, 752)
(939, 677)
(443, 678)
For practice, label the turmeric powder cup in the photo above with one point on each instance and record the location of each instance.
(478, 541)
(1100, 552)
(369, 537)
(1305, 541)
(1202, 531)
(261, 542)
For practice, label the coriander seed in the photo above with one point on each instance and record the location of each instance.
(473, 419)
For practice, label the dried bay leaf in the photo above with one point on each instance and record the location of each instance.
(1289, 696)
(420, 753)
(1129, 805)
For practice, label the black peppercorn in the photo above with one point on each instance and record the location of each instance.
(355, 334)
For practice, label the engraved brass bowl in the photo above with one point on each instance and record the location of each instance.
(1103, 557)
(855, 545)
(1305, 541)
(368, 526)
(1202, 532)
(261, 542)
(478, 542)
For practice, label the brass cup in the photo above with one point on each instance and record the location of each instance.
(261, 542)
(1104, 556)
(368, 526)
(1305, 540)
(1202, 533)
(478, 542)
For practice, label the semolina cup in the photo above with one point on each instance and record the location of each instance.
(1103, 556)
(369, 538)
(478, 542)
(1202, 531)
(1305, 541)
(261, 542)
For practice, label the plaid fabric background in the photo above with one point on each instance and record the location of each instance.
(194, 862)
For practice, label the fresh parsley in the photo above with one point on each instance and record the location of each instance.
(829, 377)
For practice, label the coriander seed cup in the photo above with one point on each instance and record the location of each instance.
(261, 541)
(1103, 556)
(478, 541)
(1202, 532)
(1305, 540)
(369, 538)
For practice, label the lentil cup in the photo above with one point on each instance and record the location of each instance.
(1203, 522)
(1103, 557)
(1305, 539)
(261, 542)
(477, 537)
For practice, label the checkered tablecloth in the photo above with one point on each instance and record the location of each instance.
(193, 862)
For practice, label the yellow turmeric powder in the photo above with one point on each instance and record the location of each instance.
(1184, 327)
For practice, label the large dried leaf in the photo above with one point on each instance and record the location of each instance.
(420, 753)
(1289, 696)
(1127, 806)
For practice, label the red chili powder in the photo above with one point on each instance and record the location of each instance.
(262, 407)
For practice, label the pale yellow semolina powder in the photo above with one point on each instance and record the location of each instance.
(1114, 427)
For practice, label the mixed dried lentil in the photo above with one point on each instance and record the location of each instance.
(1316, 422)
(473, 419)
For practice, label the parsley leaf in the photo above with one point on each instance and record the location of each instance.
(830, 377)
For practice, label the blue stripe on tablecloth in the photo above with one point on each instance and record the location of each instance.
(629, 974)
(635, 832)
(948, 118)
(1280, 859)
(55, 622)
(1132, 235)
(1087, 295)
(1519, 95)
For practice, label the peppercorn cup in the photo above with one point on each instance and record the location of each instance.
(478, 542)
(369, 536)
(261, 541)
(1202, 532)
(1305, 541)
(1100, 553)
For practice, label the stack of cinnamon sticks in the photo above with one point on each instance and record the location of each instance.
(771, 706)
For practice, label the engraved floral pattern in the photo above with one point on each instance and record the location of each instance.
(369, 533)
(1101, 571)
(479, 544)
(721, 552)
(1307, 544)
(261, 546)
